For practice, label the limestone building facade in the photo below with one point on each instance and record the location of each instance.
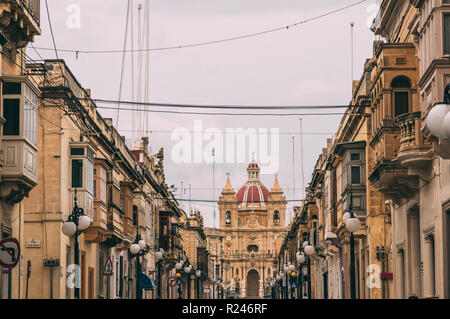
(252, 223)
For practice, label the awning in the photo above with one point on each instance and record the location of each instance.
(145, 282)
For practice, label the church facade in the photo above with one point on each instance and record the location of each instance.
(252, 223)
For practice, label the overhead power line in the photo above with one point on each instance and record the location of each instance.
(225, 107)
(240, 37)
(221, 114)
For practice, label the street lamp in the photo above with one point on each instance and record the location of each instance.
(300, 261)
(353, 225)
(76, 223)
(158, 258)
(198, 274)
(139, 248)
(187, 271)
(279, 284)
(438, 119)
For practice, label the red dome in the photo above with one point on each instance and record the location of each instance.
(253, 194)
(253, 165)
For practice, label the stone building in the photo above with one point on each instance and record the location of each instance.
(252, 221)
(412, 166)
(196, 254)
(83, 159)
(19, 24)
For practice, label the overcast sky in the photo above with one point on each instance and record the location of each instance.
(306, 65)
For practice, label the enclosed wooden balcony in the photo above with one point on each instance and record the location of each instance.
(19, 140)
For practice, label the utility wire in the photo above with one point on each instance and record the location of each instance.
(227, 107)
(223, 114)
(245, 36)
(123, 62)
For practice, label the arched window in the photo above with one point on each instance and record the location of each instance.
(276, 216)
(228, 217)
(252, 249)
(401, 90)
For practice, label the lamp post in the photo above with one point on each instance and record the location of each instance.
(158, 258)
(309, 251)
(286, 277)
(300, 261)
(198, 274)
(178, 267)
(293, 276)
(187, 271)
(352, 224)
(139, 248)
(76, 223)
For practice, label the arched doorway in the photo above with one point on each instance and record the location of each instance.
(253, 284)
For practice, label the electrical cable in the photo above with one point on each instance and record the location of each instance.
(245, 36)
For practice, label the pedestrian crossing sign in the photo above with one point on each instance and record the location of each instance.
(108, 269)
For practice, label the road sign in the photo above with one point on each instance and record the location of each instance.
(108, 269)
(172, 281)
(206, 287)
(293, 285)
(9, 253)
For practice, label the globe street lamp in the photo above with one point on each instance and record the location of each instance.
(139, 248)
(300, 261)
(76, 223)
(438, 119)
(158, 258)
(353, 225)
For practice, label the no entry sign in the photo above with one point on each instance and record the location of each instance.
(9, 253)
(172, 281)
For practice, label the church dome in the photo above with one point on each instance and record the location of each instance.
(253, 193)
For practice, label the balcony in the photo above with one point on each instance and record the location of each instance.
(129, 230)
(20, 20)
(18, 154)
(414, 151)
(97, 233)
(402, 156)
(19, 173)
(115, 225)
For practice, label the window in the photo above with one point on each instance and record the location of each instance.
(30, 116)
(135, 215)
(82, 169)
(401, 89)
(20, 111)
(276, 216)
(11, 113)
(354, 157)
(356, 175)
(401, 103)
(77, 151)
(122, 204)
(228, 217)
(77, 173)
(217, 271)
(447, 32)
(12, 88)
